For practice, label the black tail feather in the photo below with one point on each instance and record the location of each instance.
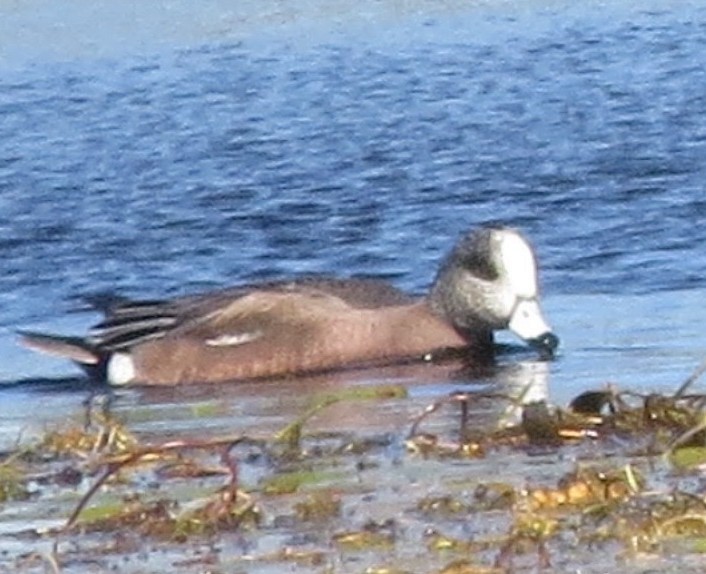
(77, 349)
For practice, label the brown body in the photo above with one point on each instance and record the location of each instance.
(292, 333)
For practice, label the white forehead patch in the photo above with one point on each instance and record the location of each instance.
(520, 267)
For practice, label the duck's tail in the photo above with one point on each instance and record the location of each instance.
(77, 349)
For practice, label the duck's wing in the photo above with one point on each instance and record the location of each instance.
(359, 293)
(262, 334)
(129, 323)
(132, 322)
(227, 317)
(252, 334)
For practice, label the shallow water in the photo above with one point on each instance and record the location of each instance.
(163, 149)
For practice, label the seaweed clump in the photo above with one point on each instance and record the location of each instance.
(631, 485)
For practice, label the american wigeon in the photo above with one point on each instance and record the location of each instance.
(488, 282)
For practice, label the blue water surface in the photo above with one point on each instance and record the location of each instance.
(160, 151)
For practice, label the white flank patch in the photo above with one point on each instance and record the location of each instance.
(520, 267)
(233, 340)
(121, 369)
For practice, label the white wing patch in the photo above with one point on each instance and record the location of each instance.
(234, 339)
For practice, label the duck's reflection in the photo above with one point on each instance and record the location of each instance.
(390, 399)
(526, 382)
(370, 401)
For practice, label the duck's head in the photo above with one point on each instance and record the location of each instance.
(489, 282)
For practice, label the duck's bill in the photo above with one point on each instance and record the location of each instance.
(546, 345)
(528, 323)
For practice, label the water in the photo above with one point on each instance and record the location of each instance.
(156, 149)
(169, 149)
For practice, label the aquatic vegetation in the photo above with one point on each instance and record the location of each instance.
(614, 470)
(12, 486)
(290, 436)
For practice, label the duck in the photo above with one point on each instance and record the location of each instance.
(487, 282)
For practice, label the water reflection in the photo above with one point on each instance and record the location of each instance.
(260, 409)
(526, 382)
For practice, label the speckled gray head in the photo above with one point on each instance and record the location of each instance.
(489, 282)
